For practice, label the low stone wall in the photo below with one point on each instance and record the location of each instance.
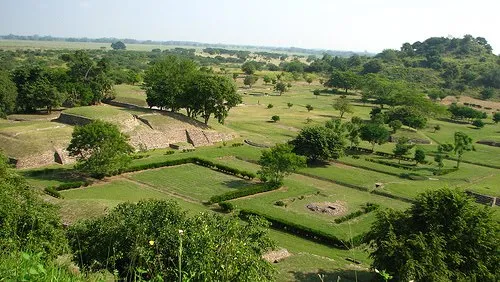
(122, 105)
(73, 119)
(484, 199)
(412, 140)
(489, 143)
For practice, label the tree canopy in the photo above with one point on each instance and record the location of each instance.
(118, 45)
(8, 94)
(278, 162)
(319, 143)
(443, 236)
(100, 149)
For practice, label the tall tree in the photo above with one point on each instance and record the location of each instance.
(278, 162)
(8, 94)
(443, 236)
(250, 80)
(36, 89)
(90, 81)
(281, 87)
(167, 80)
(343, 79)
(342, 105)
(209, 95)
(374, 134)
(319, 143)
(100, 149)
(402, 148)
(463, 143)
(118, 45)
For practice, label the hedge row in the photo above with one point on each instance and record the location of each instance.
(445, 171)
(72, 185)
(255, 189)
(368, 207)
(389, 155)
(224, 168)
(402, 166)
(385, 194)
(52, 192)
(194, 160)
(159, 164)
(305, 232)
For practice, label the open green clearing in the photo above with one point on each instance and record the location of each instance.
(190, 180)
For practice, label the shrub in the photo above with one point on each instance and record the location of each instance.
(478, 123)
(280, 203)
(226, 206)
(141, 241)
(309, 107)
(270, 106)
(237, 144)
(289, 105)
(242, 192)
(275, 118)
(170, 152)
(51, 191)
(188, 150)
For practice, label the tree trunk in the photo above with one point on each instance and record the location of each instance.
(458, 161)
(341, 114)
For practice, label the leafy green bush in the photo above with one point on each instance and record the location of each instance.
(270, 106)
(30, 266)
(226, 206)
(169, 152)
(280, 203)
(275, 118)
(237, 144)
(142, 241)
(51, 191)
(26, 221)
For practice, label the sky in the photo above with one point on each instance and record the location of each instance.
(348, 25)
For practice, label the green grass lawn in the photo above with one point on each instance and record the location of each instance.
(190, 180)
(300, 191)
(130, 94)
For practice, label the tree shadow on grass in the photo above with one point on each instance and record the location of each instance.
(317, 163)
(236, 184)
(336, 275)
(59, 174)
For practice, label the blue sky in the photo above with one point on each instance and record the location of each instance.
(356, 25)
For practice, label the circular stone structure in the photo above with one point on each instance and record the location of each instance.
(329, 208)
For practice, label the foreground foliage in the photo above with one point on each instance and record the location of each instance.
(27, 222)
(143, 240)
(444, 236)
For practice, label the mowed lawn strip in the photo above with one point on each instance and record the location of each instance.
(191, 180)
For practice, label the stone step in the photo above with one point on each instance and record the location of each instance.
(197, 138)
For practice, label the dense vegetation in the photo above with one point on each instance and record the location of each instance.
(363, 149)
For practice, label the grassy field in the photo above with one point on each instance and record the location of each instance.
(192, 185)
(185, 180)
